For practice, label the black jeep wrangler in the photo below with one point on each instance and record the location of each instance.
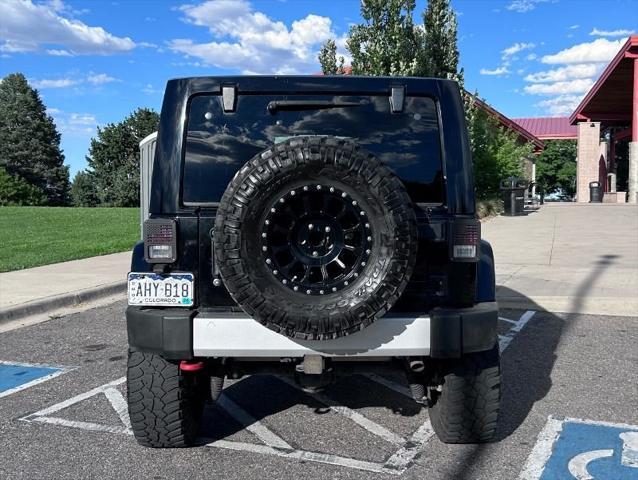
(312, 226)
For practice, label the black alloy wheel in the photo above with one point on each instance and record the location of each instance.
(317, 239)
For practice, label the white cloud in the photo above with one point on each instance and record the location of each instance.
(100, 78)
(523, 6)
(560, 88)
(577, 69)
(29, 27)
(59, 53)
(56, 83)
(92, 78)
(599, 50)
(569, 72)
(531, 56)
(574, 27)
(250, 41)
(611, 33)
(149, 90)
(502, 70)
(76, 124)
(517, 47)
(561, 105)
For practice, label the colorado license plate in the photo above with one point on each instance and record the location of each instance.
(152, 289)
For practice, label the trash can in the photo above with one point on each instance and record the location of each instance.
(595, 192)
(513, 191)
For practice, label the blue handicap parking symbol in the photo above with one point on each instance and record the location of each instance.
(18, 376)
(584, 450)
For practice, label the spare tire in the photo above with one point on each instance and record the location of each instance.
(315, 238)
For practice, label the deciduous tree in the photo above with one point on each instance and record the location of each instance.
(84, 191)
(386, 42)
(114, 158)
(556, 168)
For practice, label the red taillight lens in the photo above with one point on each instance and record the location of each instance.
(465, 235)
(160, 240)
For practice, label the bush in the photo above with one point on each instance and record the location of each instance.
(14, 190)
(489, 208)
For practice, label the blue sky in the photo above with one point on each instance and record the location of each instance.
(96, 61)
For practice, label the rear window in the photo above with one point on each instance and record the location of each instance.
(218, 143)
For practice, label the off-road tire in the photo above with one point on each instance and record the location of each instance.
(466, 410)
(165, 404)
(332, 164)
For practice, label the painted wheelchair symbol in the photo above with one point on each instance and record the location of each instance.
(629, 457)
(583, 450)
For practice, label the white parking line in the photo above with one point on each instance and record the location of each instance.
(505, 340)
(119, 405)
(356, 417)
(541, 452)
(44, 415)
(251, 424)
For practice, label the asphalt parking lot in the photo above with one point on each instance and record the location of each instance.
(74, 425)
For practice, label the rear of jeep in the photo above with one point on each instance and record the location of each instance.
(311, 227)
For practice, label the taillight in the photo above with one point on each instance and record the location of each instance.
(465, 235)
(160, 240)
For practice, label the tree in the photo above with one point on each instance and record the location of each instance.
(439, 52)
(114, 158)
(16, 191)
(30, 142)
(496, 153)
(387, 42)
(84, 191)
(328, 59)
(556, 168)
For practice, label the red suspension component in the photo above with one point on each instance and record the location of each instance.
(189, 366)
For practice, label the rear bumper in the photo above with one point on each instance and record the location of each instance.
(183, 334)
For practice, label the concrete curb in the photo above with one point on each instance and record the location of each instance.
(61, 301)
(612, 306)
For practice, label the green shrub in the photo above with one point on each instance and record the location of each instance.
(14, 190)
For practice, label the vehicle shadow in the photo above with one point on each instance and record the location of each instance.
(527, 367)
(263, 396)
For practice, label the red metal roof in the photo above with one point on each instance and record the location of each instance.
(521, 131)
(610, 99)
(549, 128)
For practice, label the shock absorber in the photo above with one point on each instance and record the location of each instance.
(415, 380)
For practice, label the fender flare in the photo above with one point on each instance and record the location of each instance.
(485, 274)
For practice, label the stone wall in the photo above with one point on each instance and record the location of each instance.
(589, 154)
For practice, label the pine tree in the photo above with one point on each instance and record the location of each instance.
(30, 142)
(114, 158)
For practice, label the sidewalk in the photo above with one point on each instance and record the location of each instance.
(562, 258)
(568, 258)
(34, 290)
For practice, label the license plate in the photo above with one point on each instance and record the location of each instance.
(152, 289)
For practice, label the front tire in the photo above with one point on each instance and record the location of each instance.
(467, 407)
(165, 404)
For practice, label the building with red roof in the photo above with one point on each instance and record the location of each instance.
(607, 122)
(549, 128)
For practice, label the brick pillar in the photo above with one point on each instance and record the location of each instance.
(588, 158)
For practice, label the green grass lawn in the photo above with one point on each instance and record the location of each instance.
(33, 236)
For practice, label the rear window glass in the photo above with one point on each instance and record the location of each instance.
(218, 143)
